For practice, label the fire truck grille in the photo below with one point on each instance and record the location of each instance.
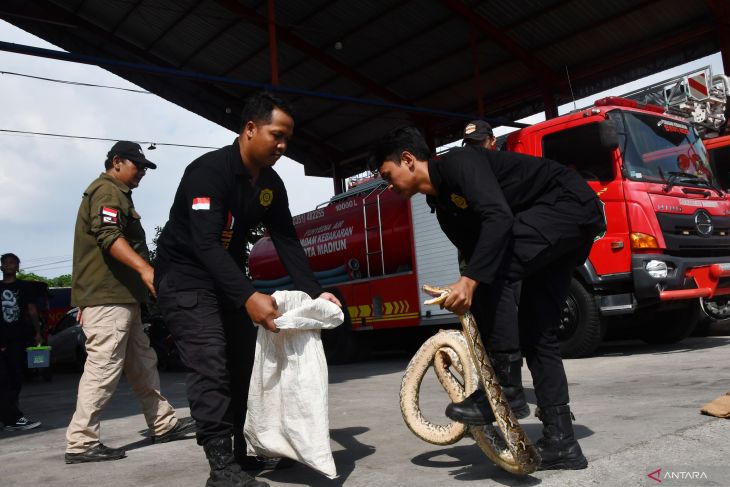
(683, 236)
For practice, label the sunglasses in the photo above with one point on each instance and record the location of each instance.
(140, 166)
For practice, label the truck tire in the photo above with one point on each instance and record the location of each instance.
(672, 325)
(713, 310)
(581, 328)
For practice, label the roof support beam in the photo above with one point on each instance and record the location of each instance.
(694, 33)
(126, 16)
(207, 43)
(424, 33)
(172, 26)
(315, 53)
(365, 22)
(538, 67)
(562, 83)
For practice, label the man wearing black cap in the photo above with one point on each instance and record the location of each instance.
(479, 133)
(111, 277)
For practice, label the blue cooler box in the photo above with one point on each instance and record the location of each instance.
(38, 357)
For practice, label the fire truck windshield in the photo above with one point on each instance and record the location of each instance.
(662, 150)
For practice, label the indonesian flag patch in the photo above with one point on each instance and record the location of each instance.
(201, 203)
(109, 216)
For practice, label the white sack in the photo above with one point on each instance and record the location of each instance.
(287, 398)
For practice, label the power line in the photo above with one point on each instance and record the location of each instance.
(48, 269)
(64, 136)
(50, 257)
(47, 264)
(75, 83)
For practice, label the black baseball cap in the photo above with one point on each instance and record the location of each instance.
(131, 151)
(478, 131)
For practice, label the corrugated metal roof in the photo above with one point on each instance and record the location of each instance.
(408, 52)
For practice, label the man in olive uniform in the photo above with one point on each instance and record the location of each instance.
(206, 299)
(111, 277)
(515, 217)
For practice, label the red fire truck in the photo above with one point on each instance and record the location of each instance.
(667, 241)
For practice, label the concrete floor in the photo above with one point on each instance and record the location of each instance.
(637, 410)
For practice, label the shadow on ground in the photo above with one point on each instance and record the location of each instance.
(637, 347)
(345, 459)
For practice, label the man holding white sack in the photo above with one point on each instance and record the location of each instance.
(204, 295)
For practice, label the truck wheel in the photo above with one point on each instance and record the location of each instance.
(581, 329)
(671, 326)
(713, 310)
(717, 308)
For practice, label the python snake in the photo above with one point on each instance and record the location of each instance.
(507, 445)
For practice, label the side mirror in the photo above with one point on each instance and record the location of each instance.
(607, 133)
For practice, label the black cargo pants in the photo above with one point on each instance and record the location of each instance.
(495, 312)
(217, 346)
(12, 368)
(545, 261)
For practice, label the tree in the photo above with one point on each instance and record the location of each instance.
(252, 236)
(153, 246)
(60, 281)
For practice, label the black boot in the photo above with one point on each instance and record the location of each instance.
(475, 409)
(558, 447)
(508, 367)
(224, 471)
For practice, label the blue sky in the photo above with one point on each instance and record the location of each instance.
(42, 178)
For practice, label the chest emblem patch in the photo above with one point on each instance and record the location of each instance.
(459, 201)
(266, 197)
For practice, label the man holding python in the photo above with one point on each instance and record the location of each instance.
(514, 217)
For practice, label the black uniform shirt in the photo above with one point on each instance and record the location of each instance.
(480, 191)
(14, 326)
(204, 242)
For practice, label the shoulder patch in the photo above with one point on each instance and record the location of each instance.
(109, 216)
(201, 203)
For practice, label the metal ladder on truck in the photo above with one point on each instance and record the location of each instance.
(697, 96)
(370, 229)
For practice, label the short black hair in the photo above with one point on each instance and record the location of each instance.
(258, 108)
(390, 147)
(9, 256)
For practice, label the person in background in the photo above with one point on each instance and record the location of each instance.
(111, 278)
(18, 302)
(479, 133)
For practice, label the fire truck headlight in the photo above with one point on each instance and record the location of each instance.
(657, 269)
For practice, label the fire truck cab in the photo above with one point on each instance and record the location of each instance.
(668, 220)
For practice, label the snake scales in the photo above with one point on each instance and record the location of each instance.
(464, 351)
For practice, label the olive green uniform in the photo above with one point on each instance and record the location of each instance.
(106, 213)
(109, 294)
